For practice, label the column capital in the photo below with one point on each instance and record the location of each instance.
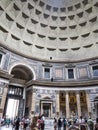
(57, 92)
(77, 92)
(34, 90)
(87, 91)
(5, 85)
(67, 92)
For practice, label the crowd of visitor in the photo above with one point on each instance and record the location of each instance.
(16, 123)
(75, 124)
(58, 123)
(69, 124)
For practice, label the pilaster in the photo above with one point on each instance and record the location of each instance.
(88, 102)
(67, 105)
(3, 99)
(78, 103)
(57, 103)
(33, 101)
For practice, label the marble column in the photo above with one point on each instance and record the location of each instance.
(67, 105)
(57, 103)
(41, 108)
(33, 101)
(51, 110)
(78, 104)
(88, 102)
(24, 99)
(3, 98)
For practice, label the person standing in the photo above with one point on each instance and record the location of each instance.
(90, 124)
(82, 123)
(64, 123)
(17, 123)
(42, 122)
(59, 123)
(7, 122)
(96, 125)
(55, 124)
(39, 122)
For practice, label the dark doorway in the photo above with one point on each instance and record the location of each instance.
(47, 109)
(14, 102)
(96, 106)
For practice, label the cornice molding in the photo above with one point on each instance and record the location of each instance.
(85, 83)
(17, 81)
(5, 75)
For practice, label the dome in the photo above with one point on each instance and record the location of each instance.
(59, 30)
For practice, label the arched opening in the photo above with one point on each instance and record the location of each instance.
(22, 72)
(15, 101)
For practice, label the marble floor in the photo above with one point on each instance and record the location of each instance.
(10, 128)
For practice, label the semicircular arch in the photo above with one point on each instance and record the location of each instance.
(22, 68)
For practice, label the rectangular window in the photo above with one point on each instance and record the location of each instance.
(70, 74)
(95, 70)
(47, 73)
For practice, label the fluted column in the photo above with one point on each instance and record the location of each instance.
(51, 110)
(78, 103)
(3, 99)
(57, 103)
(88, 102)
(24, 99)
(33, 101)
(4, 96)
(41, 108)
(67, 105)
